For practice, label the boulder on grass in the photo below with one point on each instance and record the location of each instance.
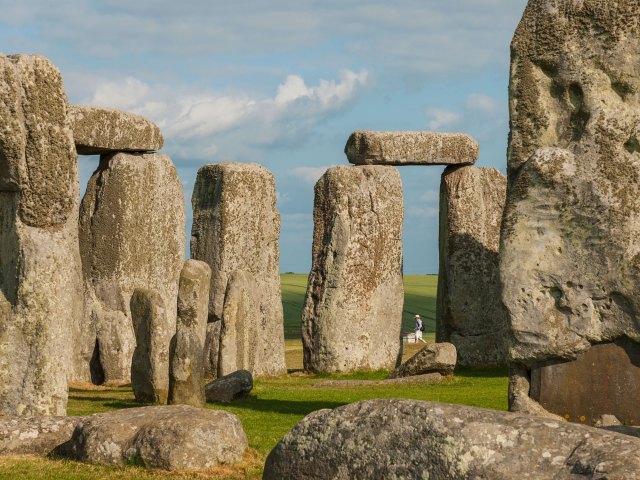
(434, 358)
(164, 437)
(34, 435)
(235, 386)
(413, 439)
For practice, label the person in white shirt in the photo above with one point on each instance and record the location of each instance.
(419, 329)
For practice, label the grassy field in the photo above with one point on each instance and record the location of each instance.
(277, 404)
(419, 298)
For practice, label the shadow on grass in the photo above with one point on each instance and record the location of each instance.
(482, 373)
(288, 407)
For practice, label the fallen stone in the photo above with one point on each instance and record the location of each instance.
(425, 378)
(236, 226)
(413, 439)
(411, 148)
(568, 262)
(132, 235)
(105, 130)
(240, 325)
(186, 369)
(163, 437)
(34, 435)
(353, 307)
(150, 363)
(193, 297)
(41, 296)
(469, 310)
(235, 386)
(434, 358)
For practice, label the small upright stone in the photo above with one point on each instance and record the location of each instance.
(236, 226)
(193, 297)
(353, 307)
(40, 271)
(411, 148)
(186, 369)
(150, 363)
(469, 310)
(106, 130)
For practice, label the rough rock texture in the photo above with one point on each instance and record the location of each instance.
(40, 273)
(353, 308)
(211, 349)
(132, 235)
(411, 148)
(186, 369)
(164, 437)
(236, 226)
(193, 297)
(34, 435)
(150, 362)
(104, 130)
(570, 263)
(469, 309)
(235, 386)
(240, 318)
(436, 357)
(414, 439)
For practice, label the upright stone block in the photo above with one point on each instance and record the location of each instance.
(132, 235)
(353, 307)
(150, 363)
(40, 276)
(193, 297)
(236, 226)
(186, 369)
(469, 309)
(570, 247)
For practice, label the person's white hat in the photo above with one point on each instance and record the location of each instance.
(417, 316)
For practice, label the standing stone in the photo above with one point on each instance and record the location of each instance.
(132, 223)
(411, 148)
(469, 308)
(570, 247)
(193, 297)
(353, 308)
(211, 349)
(240, 317)
(150, 363)
(40, 276)
(236, 226)
(186, 372)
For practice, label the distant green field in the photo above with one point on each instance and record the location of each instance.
(419, 297)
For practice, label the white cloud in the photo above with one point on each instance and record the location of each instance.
(196, 121)
(481, 102)
(441, 118)
(423, 212)
(309, 174)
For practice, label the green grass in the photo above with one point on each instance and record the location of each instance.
(277, 404)
(419, 297)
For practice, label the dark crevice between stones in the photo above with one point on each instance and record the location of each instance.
(95, 366)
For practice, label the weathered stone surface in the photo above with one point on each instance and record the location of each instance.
(236, 226)
(40, 274)
(186, 369)
(570, 237)
(132, 235)
(150, 362)
(353, 308)
(414, 439)
(211, 349)
(240, 325)
(163, 437)
(434, 358)
(235, 386)
(34, 435)
(605, 380)
(104, 130)
(411, 148)
(193, 297)
(469, 309)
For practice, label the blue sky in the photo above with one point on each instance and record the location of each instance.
(284, 83)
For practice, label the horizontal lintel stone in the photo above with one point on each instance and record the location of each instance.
(411, 148)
